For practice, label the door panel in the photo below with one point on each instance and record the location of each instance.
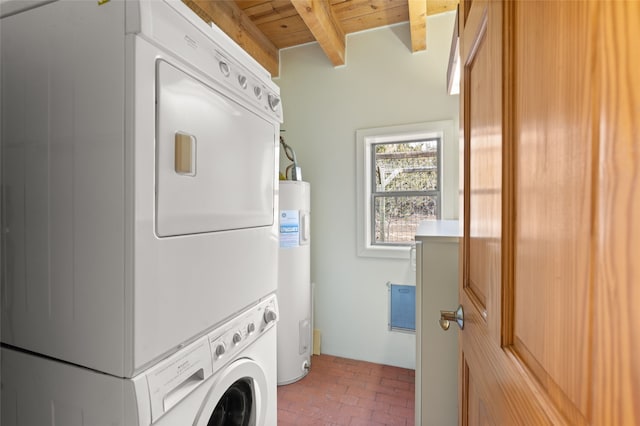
(478, 414)
(554, 165)
(484, 156)
(550, 107)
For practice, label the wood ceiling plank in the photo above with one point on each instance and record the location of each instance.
(237, 25)
(290, 23)
(244, 4)
(324, 26)
(278, 20)
(255, 9)
(291, 39)
(373, 20)
(418, 24)
(359, 15)
(287, 32)
(263, 12)
(359, 8)
(349, 9)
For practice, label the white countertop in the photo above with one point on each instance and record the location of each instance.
(439, 228)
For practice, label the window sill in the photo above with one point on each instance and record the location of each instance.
(389, 252)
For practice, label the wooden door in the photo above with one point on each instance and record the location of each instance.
(550, 270)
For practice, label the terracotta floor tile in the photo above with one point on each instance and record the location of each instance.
(364, 422)
(345, 392)
(392, 400)
(397, 384)
(389, 419)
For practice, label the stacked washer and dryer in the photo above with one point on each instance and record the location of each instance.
(139, 218)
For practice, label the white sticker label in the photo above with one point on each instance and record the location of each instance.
(289, 228)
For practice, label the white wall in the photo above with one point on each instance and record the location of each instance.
(383, 84)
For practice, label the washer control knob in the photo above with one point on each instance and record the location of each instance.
(251, 328)
(258, 92)
(269, 316)
(224, 68)
(220, 350)
(274, 101)
(237, 337)
(242, 80)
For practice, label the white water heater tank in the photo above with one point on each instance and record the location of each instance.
(294, 282)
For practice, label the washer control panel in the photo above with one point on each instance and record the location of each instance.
(172, 379)
(230, 339)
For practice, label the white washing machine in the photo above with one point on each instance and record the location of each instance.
(226, 378)
(139, 158)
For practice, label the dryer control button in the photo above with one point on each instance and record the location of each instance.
(224, 67)
(220, 350)
(237, 337)
(242, 81)
(269, 316)
(258, 92)
(274, 101)
(251, 328)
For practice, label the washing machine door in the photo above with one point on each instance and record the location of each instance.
(238, 397)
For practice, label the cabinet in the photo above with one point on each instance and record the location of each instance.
(436, 350)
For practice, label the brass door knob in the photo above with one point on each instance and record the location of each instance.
(447, 316)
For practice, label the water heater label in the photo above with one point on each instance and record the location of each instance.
(289, 228)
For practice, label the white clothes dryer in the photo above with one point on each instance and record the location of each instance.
(139, 172)
(227, 378)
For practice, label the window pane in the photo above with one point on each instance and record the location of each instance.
(406, 166)
(397, 218)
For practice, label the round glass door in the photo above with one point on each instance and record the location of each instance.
(238, 396)
(235, 406)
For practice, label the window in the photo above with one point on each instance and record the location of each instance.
(400, 183)
(405, 188)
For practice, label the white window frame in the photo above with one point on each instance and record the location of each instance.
(365, 138)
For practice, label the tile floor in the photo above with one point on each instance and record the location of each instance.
(339, 391)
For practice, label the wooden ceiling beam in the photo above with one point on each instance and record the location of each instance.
(324, 26)
(440, 6)
(418, 24)
(236, 24)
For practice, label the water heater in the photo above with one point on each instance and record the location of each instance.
(294, 282)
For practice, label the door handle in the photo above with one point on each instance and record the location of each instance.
(447, 316)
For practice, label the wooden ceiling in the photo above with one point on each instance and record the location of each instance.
(264, 27)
